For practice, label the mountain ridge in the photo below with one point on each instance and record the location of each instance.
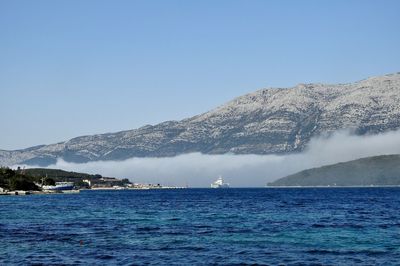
(267, 121)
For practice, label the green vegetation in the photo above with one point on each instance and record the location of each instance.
(18, 180)
(61, 175)
(372, 171)
(57, 175)
(26, 179)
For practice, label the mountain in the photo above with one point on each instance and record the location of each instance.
(273, 120)
(378, 171)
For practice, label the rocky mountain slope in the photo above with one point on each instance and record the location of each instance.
(377, 171)
(273, 120)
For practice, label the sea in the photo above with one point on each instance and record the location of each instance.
(255, 226)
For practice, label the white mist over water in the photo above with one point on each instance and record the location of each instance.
(199, 170)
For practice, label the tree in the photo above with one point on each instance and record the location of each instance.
(49, 181)
(21, 183)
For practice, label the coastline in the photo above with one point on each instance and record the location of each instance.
(74, 191)
(370, 186)
(25, 193)
(47, 192)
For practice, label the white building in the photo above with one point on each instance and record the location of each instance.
(87, 181)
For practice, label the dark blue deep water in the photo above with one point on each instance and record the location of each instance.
(203, 226)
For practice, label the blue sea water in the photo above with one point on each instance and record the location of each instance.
(338, 226)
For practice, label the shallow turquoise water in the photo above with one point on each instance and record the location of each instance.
(203, 226)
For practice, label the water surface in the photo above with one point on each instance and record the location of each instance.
(340, 226)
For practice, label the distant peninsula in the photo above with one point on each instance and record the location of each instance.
(32, 179)
(371, 171)
(45, 180)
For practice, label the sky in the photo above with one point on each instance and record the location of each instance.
(71, 68)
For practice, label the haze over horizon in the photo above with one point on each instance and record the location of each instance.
(199, 170)
(96, 67)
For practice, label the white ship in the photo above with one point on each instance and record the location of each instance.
(60, 186)
(219, 183)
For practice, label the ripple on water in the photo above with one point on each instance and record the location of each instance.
(203, 226)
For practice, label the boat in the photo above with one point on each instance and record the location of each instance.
(60, 186)
(219, 183)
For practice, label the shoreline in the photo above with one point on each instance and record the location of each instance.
(25, 193)
(369, 186)
(75, 191)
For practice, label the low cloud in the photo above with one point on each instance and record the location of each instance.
(199, 170)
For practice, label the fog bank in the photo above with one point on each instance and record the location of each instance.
(199, 170)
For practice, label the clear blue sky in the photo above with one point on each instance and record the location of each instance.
(71, 68)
